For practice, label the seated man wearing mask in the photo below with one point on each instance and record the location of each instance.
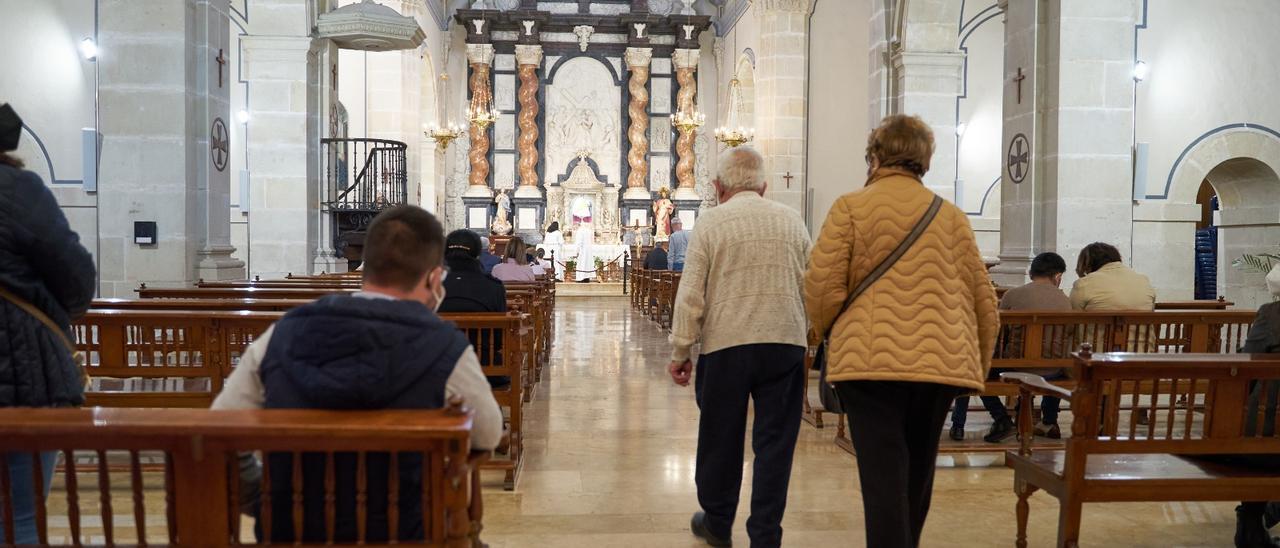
(382, 347)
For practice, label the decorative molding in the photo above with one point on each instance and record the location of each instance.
(584, 32)
(1195, 144)
(481, 54)
(370, 26)
(528, 55)
(686, 58)
(729, 19)
(793, 6)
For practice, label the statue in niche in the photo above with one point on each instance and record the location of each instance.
(663, 208)
(502, 220)
(581, 210)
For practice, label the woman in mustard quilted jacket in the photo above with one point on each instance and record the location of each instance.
(917, 337)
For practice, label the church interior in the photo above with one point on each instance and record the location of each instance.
(223, 163)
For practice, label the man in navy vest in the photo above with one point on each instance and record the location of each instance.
(383, 347)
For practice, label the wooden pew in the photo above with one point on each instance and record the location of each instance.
(1044, 340)
(180, 358)
(307, 293)
(200, 478)
(258, 305)
(1114, 458)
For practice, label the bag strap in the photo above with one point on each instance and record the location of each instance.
(888, 262)
(39, 315)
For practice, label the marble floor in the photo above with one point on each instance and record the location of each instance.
(610, 457)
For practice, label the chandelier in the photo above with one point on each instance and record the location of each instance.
(445, 134)
(688, 120)
(481, 111)
(733, 134)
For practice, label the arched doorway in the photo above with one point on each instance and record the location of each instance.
(1248, 191)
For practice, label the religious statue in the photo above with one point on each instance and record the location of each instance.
(502, 220)
(662, 210)
(580, 210)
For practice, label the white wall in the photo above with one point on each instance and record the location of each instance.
(979, 155)
(52, 88)
(1212, 64)
(837, 123)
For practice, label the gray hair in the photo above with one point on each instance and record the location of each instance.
(740, 168)
(484, 243)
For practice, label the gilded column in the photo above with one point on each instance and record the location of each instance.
(638, 110)
(528, 59)
(480, 56)
(686, 63)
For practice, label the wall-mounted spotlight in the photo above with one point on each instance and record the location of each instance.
(243, 116)
(960, 129)
(1141, 70)
(89, 49)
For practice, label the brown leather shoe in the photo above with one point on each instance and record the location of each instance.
(1050, 431)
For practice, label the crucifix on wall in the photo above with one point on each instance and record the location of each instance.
(222, 61)
(788, 177)
(1018, 79)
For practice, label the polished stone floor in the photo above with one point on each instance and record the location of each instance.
(610, 459)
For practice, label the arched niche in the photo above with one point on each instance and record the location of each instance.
(1248, 222)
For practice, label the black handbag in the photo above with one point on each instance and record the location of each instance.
(827, 395)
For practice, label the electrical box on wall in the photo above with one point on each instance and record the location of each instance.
(144, 232)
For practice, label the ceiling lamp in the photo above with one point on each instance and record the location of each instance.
(444, 134)
(733, 134)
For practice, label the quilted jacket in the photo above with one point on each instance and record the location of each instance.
(930, 318)
(42, 262)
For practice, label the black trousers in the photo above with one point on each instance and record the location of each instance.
(895, 427)
(773, 376)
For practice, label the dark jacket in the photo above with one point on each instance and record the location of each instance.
(656, 259)
(346, 352)
(469, 289)
(1264, 338)
(43, 263)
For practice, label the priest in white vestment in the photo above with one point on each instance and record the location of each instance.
(553, 242)
(584, 240)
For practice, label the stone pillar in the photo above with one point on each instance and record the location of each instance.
(284, 183)
(928, 84)
(780, 96)
(323, 83)
(210, 142)
(528, 59)
(1080, 169)
(638, 110)
(480, 56)
(161, 166)
(686, 65)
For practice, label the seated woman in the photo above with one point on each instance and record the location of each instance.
(1106, 283)
(468, 289)
(515, 264)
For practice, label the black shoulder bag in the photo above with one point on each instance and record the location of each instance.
(826, 392)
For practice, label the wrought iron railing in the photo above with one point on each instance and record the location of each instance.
(364, 174)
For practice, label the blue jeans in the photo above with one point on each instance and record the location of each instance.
(1048, 406)
(22, 491)
(677, 266)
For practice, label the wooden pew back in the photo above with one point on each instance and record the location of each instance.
(201, 489)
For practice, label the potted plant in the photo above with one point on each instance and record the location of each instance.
(1267, 264)
(570, 270)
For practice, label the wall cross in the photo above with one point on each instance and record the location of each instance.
(222, 61)
(1018, 79)
(788, 177)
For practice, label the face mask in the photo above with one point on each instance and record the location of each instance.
(439, 298)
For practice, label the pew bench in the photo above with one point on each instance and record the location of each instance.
(1109, 459)
(200, 484)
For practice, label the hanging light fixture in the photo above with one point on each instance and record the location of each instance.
(481, 111)
(688, 120)
(733, 133)
(444, 134)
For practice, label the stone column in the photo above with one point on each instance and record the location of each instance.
(928, 84)
(480, 56)
(780, 96)
(638, 110)
(1078, 100)
(528, 59)
(210, 144)
(686, 64)
(284, 180)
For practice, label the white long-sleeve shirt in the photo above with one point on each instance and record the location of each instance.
(244, 390)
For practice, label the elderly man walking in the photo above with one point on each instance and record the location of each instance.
(741, 295)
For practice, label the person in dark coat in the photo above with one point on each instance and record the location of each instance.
(657, 257)
(1255, 518)
(487, 259)
(468, 288)
(42, 263)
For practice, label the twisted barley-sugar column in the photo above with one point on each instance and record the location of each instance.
(684, 144)
(479, 155)
(528, 57)
(638, 110)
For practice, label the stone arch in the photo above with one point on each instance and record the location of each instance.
(1242, 164)
(1207, 152)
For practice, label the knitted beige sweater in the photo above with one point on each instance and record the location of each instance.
(743, 280)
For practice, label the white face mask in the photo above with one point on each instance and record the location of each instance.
(440, 297)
